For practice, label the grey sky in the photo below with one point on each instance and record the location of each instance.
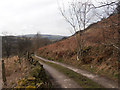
(30, 16)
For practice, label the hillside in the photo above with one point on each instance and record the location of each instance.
(101, 54)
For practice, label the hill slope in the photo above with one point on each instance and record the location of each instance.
(100, 56)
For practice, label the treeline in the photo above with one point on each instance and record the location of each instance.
(14, 45)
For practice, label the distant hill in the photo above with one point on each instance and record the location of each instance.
(50, 37)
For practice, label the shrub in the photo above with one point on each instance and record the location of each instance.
(35, 71)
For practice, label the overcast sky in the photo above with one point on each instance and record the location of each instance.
(31, 16)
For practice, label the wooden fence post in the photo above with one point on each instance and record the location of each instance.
(3, 73)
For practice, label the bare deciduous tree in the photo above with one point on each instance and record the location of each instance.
(6, 45)
(39, 41)
(24, 45)
(36, 42)
(79, 15)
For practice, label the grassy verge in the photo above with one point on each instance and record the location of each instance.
(81, 80)
(112, 76)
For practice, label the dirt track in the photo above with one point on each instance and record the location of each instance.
(100, 80)
(58, 79)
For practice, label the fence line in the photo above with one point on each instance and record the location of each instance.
(3, 73)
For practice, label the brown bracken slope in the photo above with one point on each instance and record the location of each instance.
(100, 53)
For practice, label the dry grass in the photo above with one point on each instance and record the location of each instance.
(15, 70)
(103, 58)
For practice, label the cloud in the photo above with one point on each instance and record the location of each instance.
(30, 16)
